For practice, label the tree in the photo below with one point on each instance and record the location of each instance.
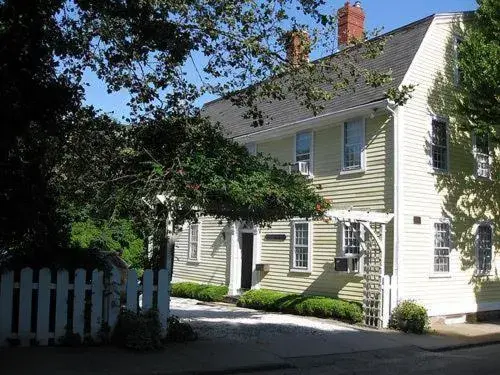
(478, 95)
(143, 46)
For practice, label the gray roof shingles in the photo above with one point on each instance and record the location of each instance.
(399, 51)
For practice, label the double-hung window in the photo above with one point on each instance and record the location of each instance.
(353, 140)
(482, 155)
(351, 241)
(484, 248)
(194, 243)
(301, 246)
(439, 145)
(441, 247)
(303, 152)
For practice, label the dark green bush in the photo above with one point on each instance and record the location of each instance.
(322, 307)
(138, 331)
(409, 316)
(179, 331)
(202, 292)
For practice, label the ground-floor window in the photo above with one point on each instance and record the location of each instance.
(484, 248)
(351, 245)
(301, 246)
(441, 247)
(194, 243)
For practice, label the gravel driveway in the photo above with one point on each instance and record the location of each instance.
(224, 322)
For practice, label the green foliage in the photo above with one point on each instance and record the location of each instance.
(118, 236)
(319, 306)
(202, 292)
(409, 316)
(179, 331)
(478, 93)
(138, 331)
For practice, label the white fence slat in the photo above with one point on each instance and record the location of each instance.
(6, 295)
(79, 302)
(114, 297)
(163, 296)
(132, 290)
(97, 297)
(25, 296)
(61, 304)
(42, 322)
(147, 289)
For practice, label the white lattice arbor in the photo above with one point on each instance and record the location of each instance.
(373, 254)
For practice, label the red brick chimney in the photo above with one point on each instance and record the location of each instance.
(298, 46)
(351, 23)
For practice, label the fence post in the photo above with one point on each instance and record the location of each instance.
(6, 296)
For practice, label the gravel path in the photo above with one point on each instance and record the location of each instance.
(224, 322)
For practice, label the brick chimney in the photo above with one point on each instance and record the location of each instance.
(298, 46)
(351, 23)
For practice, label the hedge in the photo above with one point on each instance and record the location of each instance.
(322, 307)
(202, 292)
(409, 316)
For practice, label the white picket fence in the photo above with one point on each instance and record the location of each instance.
(36, 312)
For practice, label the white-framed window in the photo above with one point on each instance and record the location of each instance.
(439, 145)
(353, 145)
(301, 246)
(352, 235)
(484, 248)
(194, 243)
(482, 155)
(304, 151)
(457, 72)
(251, 148)
(442, 247)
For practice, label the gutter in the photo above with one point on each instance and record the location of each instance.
(310, 120)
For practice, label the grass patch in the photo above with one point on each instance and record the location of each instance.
(321, 307)
(202, 292)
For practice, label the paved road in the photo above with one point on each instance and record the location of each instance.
(409, 361)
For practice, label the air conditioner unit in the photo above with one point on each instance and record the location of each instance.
(301, 167)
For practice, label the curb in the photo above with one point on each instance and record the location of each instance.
(234, 370)
(468, 345)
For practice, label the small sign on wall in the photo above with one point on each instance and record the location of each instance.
(275, 237)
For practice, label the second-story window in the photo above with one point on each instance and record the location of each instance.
(482, 155)
(303, 150)
(353, 145)
(439, 145)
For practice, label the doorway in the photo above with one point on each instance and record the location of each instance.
(246, 260)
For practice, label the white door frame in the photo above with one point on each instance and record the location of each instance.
(234, 239)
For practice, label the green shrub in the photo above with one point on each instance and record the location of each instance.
(322, 307)
(138, 331)
(409, 316)
(202, 292)
(179, 331)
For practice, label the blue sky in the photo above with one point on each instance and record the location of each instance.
(389, 14)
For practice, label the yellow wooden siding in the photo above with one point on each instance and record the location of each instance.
(431, 196)
(372, 189)
(211, 268)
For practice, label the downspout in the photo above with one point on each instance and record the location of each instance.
(393, 109)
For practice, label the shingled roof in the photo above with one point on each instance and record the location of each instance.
(401, 46)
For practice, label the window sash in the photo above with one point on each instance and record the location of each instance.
(441, 247)
(439, 145)
(353, 145)
(303, 146)
(352, 244)
(301, 246)
(484, 248)
(193, 243)
(482, 155)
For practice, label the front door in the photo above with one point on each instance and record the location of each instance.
(246, 260)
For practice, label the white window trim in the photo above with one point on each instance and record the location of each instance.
(311, 152)
(475, 229)
(475, 152)
(362, 169)
(456, 76)
(309, 246)
(198, 253)
(431, 164)
(350, 264)
(251, 148)
(435, 274)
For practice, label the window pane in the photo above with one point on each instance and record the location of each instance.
(482, 155)
(193, 241)
(353, 144)
(441, 247)
(301, 245)
(439, 145)
(351, 239)
(303, 146)
(484, 248)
